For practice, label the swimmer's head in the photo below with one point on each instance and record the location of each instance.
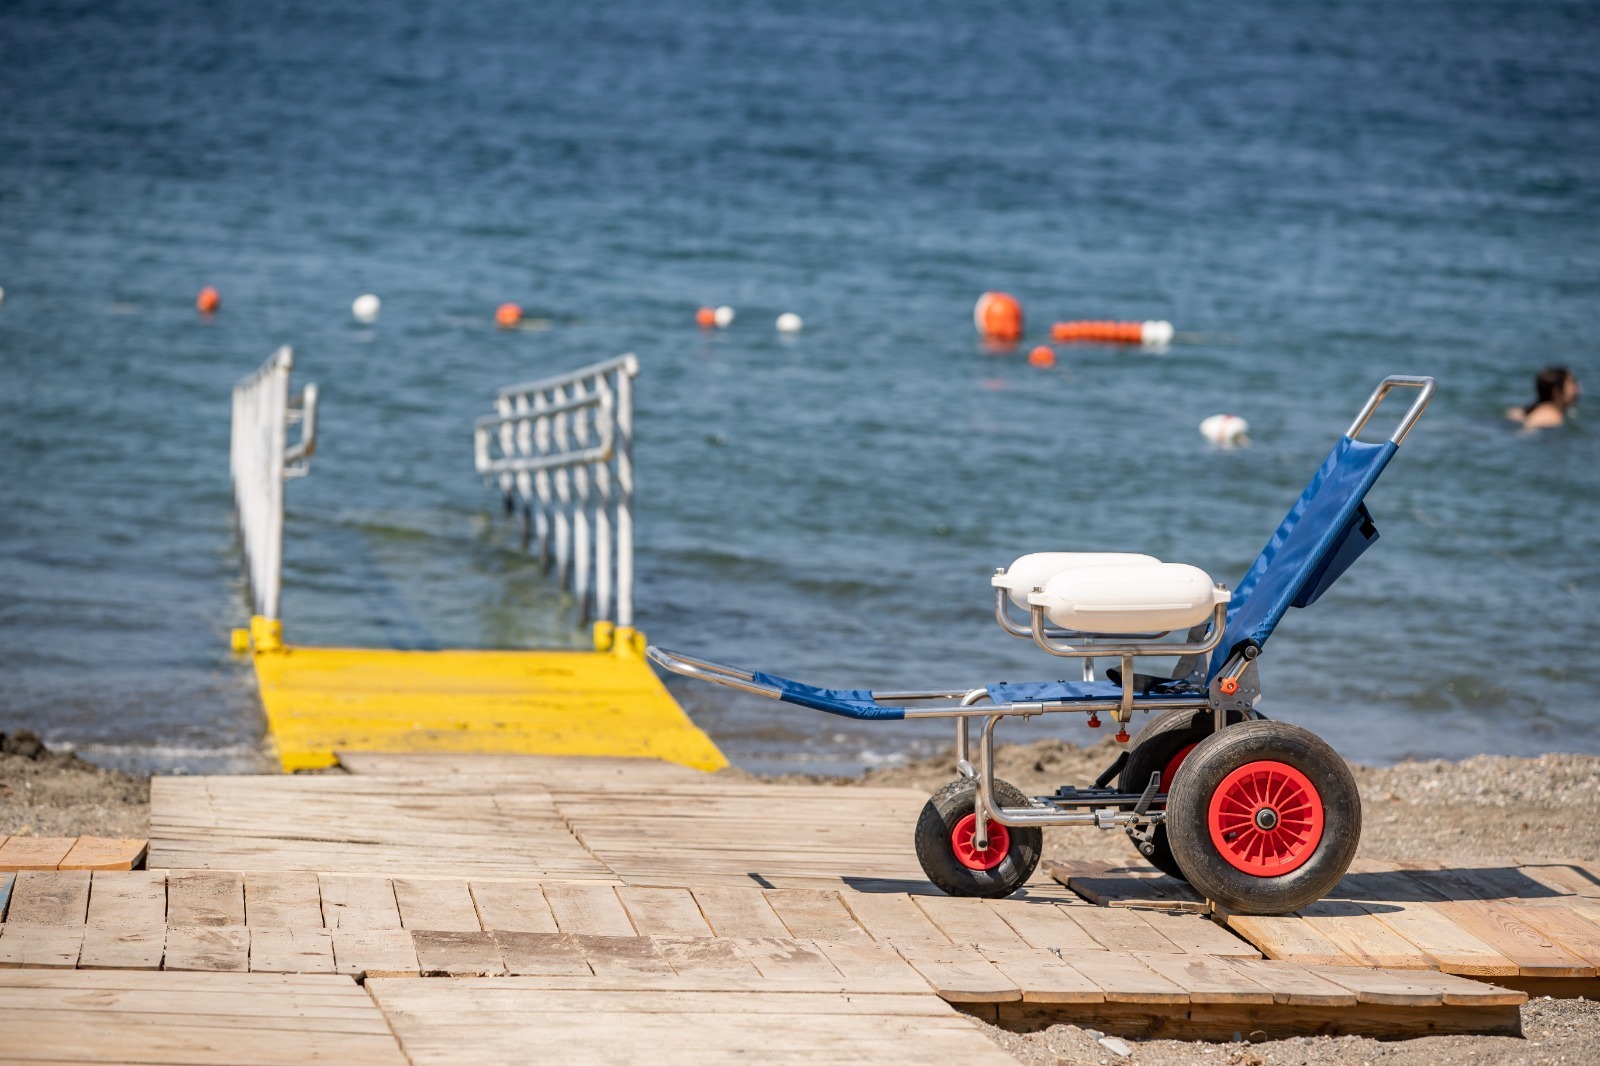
(1556, 385)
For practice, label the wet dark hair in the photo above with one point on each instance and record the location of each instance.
(1548, 384)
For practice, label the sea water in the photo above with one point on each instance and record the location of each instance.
(1315, 194)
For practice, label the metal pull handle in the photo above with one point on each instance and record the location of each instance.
(1396, 381)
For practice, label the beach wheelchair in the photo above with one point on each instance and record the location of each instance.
(1259, 816)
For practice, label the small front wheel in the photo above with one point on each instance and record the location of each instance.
(1264, 817)
(948, 849)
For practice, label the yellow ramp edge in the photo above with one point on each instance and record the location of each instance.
(604, 702)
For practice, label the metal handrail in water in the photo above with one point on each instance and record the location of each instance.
(260, 460)
(560, 451)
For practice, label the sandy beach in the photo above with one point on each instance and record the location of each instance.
(1477, 810)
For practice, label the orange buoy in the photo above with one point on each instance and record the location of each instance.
(1042, 357)
(998, 316)
(208, 300)
(706, 317)
(1155, 334)
(506, 316)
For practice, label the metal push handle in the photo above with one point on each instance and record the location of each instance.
(1396, 381)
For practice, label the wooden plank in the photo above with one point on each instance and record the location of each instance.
(958, 973)
(1452, 947)
(104, 853)
(34, 853)
(111, 1016)
(623, 956)
(1042, 975)
(111, 948)
(205, 897)
(1121, 930)
(131, 901)
(582, 773)
(49, 897)
(1125, 979)
(541, 954)
(444, 905)
(512, 906)
(1409, 988)
(374, 953)
(1286, 937)
(274, 949)
(1564, 928)
(1294, 985)
(1046, 925)
(357, 902)
(287, 900)
(706, 957)
(208, 947)
(1207, 979)
(456, 953)
(1196, 934)
(127, 921)
(1350, 928)
(1565, 877)
(879, 965)
(790, 962)
(814, 915)
(664, 912)
(969, 921)
(892, 916)
(1534, 954)
(739, 912)
(47, 946)
(588, 910)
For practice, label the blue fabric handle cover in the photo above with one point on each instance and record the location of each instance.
(850, 703)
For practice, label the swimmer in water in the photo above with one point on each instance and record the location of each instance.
(1557, 392)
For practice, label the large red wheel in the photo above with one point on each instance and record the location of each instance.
(1264, 818)
(1163, 745)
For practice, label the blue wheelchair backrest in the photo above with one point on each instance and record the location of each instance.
(1325, 531)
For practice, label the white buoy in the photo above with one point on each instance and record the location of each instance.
(366, 307)
(723, 316)
(1226, 431)
(789, 322)
(1155, 334)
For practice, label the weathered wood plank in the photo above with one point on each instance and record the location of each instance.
(814, 915)
(1564, 928)
(968, 921)
(46, 946)
(49, 897)
(1196, 934)
(664, 912)
(791, 962)
(1287, 937)
(127, 921)
(358, 902)
(1046, 925)
(288, 900)
(1353, 930)
(1125, 979)
(877, 964)
(588, 910)
(274, 949)
(205, 897)
(958, 972)
(1118, 929)
(1452, 947)
(706, 957)
(455, 953)
(1294, 985)
(436, 904)
(1533, 953)
(110, 948)
(208, 947)
(512, 906)
(1207, 979)
(739, 912)
(541, 954)
(374, 952)
(1042, 975)
(623, 956)
(892, 916)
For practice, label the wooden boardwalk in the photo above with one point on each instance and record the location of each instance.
(628, 909)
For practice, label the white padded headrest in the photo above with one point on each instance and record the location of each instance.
(1139, 598)
(1034, 571)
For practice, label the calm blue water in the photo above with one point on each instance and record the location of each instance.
(1321, 193)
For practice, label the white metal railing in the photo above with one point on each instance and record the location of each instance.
(563, 446)
(261, 459)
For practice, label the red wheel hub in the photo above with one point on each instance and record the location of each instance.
(963, 841)
(1266, 818)
(1170, 771)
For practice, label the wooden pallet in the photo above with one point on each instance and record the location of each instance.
(67, 853)
(1531, 925)
(115, 1016)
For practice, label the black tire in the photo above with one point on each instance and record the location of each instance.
(1166, 735)
(1322, 856)
(941, 815)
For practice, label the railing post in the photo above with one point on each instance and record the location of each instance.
(624, 447)
(602, 508)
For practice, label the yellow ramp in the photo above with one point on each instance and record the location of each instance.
(529, 702)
